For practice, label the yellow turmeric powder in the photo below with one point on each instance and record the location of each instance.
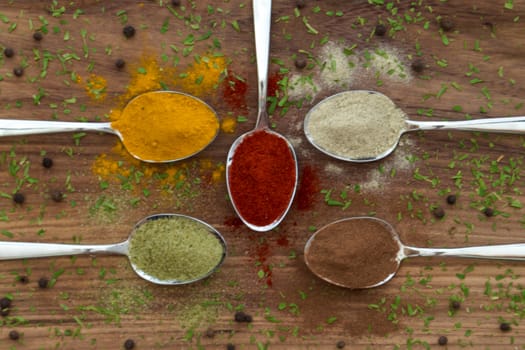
(164, 126)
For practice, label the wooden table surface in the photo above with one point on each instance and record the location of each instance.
(473, 70)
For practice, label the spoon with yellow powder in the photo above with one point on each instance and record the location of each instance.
(155, 127)
(168, 249)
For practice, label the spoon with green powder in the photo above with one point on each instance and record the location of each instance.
(167, 249)
(155, 127)
(364, 126)
(365, 252)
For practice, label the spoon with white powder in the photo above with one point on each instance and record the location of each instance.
(364, 126)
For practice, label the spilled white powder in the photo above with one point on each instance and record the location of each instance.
(386, 62)
(300, 87)
(337, 67)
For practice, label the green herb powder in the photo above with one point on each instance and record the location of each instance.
(175, 248)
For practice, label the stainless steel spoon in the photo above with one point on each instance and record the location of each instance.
(502, 252)
(500, 125)
(15, 127)
(26, 250)
(262, 13)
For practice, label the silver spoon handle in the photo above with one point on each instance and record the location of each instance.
(503, 251)
(26, 250)
(262, 16)
(503, 125)
(14, 127)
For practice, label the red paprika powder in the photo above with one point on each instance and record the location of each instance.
(262, 178)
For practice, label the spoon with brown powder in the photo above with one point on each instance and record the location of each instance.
(167, 249)
(364, 126)
(365, 252)
(155, 127)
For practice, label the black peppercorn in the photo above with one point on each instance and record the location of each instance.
(380, 30)
(23, 279)
(57, 196)
(9, 52)
(210, 333)
(18, 71)
(300, 4)
(442, 340)
(47, 162)
(120, 63)
(129, 344)
(300, 63)
(175, 2)
(43, 282)
(14, 335)
(230, 346)
(340, 344)
(446, 24)
(128, 31)
(438, 212)
(418, 65)
(4, 312)
(488, 212)
(19, 198)
(451, 199)
(242, 317)
(455, 305)
(5, 303)
(504, 326)
(38, 36)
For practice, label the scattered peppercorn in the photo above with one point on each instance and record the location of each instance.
(300, 4)
(504, 326)
(241, 316)
(19, 198)
(128, 31)
(455, 305)
(300, 63)
(9, 52)
(210, 333)
(418, 65)
(446, 24)
(38, 36)
(120, 63)
(18, 71)
(438, 212)
(442, 340)
(5, 303)
(451, 199)
(340, 344)
(175, 2)
(43, 282)
(4, 312)
(380, 30)
(129, 344)
(14, 335)
(488, 212)
(23, 279)
(230, 346)
(47, 162)
(57, 196)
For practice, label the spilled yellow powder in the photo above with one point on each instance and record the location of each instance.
(204, 75)
(228, 125)
(96, 86)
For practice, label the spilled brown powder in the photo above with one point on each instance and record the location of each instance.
(353, 253)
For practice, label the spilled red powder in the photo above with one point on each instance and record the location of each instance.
(233, 221)
(234, 90)
(273, 83)
(309, 187)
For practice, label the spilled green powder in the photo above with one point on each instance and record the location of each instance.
(175, 248)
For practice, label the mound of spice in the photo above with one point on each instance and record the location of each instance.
(355, 124)
(353, 253)
(262, 178)
(175, 248)
(163, 126)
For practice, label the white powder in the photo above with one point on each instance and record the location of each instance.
(355, 124)
(386, 62)
(302, 87)
(337, 67)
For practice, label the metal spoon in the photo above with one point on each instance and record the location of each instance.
(502, 252)
(501, 125)
(262, 13)
(26, 250)
(14, 127)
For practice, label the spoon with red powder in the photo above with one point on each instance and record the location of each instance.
(366, 252)
(261, 168)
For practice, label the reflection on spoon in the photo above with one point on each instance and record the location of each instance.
(185, 249)
(364, 126)
(190, 134)
(365, 252)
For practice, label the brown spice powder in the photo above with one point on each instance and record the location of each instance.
(353, 253)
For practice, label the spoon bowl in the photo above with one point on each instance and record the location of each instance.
(334, 253)
(347, 125)
(26, 250)
(262, 21)
(14, 127)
